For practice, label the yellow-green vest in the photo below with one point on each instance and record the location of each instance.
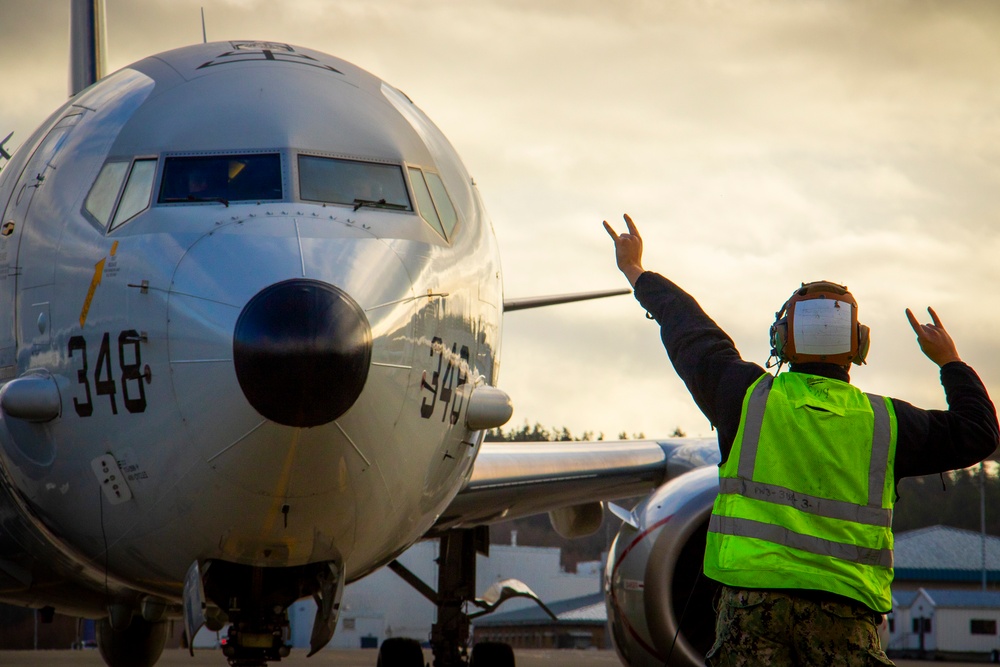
(805, 497)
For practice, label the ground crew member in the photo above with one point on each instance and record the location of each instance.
(800, 534)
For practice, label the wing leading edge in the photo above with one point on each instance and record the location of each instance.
(512, 480)
(510, 305)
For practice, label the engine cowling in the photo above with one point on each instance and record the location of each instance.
(660, 605)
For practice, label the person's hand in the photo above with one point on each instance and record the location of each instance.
(934, 340)
(628, 250)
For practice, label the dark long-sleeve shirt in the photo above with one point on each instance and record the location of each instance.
(706, 359)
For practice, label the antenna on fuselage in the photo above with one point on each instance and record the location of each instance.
(204, 33)
(87, 43)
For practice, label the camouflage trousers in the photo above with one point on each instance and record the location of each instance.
(778, 628)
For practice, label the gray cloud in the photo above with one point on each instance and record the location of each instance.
(758, 144)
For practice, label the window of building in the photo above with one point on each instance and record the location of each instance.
(349, 624)
(352, 183)
(981, 626)
(918, 622)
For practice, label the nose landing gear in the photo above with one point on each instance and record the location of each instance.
(254, 644)
(255, 601)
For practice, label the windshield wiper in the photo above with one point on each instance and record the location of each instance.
(192, 198)
(381, 203)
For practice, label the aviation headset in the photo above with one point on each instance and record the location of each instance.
(819, 322)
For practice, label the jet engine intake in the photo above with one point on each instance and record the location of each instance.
(660, 605)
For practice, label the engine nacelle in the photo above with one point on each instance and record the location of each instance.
(659, 602)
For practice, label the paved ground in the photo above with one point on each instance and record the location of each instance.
(176, 658)
(355, 658)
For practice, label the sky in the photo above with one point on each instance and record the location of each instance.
(757, 144)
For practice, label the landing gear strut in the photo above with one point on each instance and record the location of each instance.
(255, 601)
(456, 587)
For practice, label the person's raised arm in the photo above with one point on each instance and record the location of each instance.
(628, 250)
(934, 340)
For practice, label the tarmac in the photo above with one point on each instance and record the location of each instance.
(328, 658)
(334, 658)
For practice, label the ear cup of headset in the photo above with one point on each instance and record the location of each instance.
(779, 336)
(864, 342)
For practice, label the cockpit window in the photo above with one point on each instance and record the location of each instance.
(424, 202)
(221, 178)
(138, 188)
(137, 178)
(441, 200)
(104, 193)
(433, 202)
(352, 183)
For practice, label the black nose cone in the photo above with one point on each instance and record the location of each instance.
(301, 351)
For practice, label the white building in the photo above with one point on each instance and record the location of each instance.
(382, 605)
(942, 622)
(896, 630)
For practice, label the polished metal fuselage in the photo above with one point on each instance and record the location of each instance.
(134, 327)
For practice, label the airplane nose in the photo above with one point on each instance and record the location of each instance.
(302, 349)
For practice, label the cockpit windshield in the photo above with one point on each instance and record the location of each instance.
(352, 183)
(221, 178)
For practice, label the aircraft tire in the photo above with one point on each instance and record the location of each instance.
(400, 652)
(492, 654)
(138, 645)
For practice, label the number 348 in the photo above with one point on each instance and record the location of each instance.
(130, 376)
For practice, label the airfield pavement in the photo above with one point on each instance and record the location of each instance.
(332, 658)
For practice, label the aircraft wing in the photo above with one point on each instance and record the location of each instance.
(515, 479)
(510, 305)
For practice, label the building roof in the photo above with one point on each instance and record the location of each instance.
(586, 609)
(950, 599)
(903, 599)
(942, 553)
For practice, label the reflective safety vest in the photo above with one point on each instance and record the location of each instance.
(805, 497)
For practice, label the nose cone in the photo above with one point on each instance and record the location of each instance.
(302, 350)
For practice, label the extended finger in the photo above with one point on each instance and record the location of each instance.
(913, 321)
(934, 316)
(611, 232)
(631, 225)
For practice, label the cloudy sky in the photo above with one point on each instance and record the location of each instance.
(757, 144)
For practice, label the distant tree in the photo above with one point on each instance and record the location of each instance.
(950, 499)
(526, 433)
(538, 433)
(678, 433)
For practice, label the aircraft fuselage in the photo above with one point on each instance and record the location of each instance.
(176, 239)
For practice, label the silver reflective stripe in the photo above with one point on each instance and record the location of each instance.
(751, 426)
(826, 507)
(881, 440)
(878, 466)
(814, 545)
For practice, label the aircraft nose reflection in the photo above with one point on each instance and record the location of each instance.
(301, 350)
